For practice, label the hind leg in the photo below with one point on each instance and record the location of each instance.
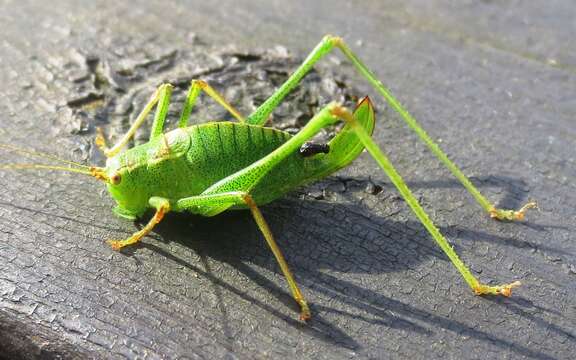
(399, 183)
(328, 43)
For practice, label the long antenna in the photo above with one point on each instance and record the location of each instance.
(94, 171)
(40, 154)
(48, 167)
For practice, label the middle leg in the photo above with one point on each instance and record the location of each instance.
(202, 205)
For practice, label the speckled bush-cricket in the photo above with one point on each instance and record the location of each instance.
(217, 166)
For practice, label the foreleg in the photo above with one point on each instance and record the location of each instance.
(161, 97)
(162, 206)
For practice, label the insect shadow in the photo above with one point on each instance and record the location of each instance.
(321, 237)
(318, 239)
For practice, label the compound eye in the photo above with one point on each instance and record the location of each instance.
(116, 179)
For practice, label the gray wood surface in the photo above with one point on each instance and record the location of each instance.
(493, 81)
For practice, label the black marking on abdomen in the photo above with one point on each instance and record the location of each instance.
(309, 149)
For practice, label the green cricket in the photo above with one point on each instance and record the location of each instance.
(217, 166)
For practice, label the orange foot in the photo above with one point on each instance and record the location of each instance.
(116, 244)
(512, 215)
(505, 289)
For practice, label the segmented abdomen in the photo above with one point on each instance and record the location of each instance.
(220, 149)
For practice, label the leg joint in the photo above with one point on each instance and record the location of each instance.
(164, 87)
(247, 198)
(339, 111)
(160, 213)
(334, 40)
(200, 83)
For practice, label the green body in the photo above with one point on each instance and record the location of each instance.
(187, 161)
(207, 169)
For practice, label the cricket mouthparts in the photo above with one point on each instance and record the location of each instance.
(99, 173)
